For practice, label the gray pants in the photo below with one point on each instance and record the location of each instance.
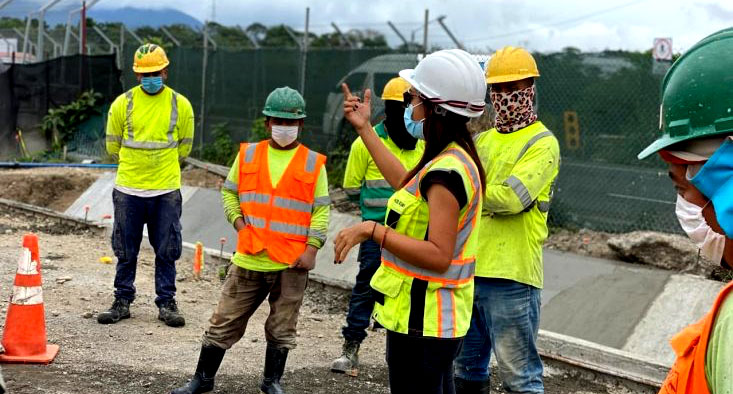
(243, 292)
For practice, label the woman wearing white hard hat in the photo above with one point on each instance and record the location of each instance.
(424, 285)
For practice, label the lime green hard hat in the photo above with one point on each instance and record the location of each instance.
(285, 103)
(697, 93)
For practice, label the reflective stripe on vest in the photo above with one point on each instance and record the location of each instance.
(516, 184)
(277, 218)
(130, 142)
(460, 270)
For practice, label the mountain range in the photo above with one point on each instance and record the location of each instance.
(132, 17)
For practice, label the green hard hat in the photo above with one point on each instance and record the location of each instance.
(697, 93)
(285, 103)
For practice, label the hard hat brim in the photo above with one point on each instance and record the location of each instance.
(150, 69)
(510, 78)
(283, 115)
(409, 76)
(667, 140)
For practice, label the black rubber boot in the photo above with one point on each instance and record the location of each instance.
(472, 386)
(348, 363)
(275, 359)
(168, 313)
(203, 380)
(120, 310)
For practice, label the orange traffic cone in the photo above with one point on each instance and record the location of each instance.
(24, 338)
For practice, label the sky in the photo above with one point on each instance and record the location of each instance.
(481, 25)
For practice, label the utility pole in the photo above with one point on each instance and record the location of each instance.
(425, 33)
(304, 48)
(450, 34)
(404, 41)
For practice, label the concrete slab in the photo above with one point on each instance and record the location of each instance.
(565, 270)
(684, 300)
(99, 198)
(203, 220)
(604, 308)
(344, 274)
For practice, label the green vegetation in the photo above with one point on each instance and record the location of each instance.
(61, 123)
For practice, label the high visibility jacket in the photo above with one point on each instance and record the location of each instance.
(150, 133)
(687, 375)
(521, 168)
(417, 301)
(277, 218)
(363, 182)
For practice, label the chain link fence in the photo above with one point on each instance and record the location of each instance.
(603, 108)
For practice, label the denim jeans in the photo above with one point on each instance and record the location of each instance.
(361, 304)
(506, 316)
(162, 214)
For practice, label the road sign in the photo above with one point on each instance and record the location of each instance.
(662, 49)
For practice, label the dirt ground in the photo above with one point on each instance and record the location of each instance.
(142, 355)
(52, 187)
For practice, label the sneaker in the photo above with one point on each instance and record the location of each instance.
(120, 310)
(170, 315)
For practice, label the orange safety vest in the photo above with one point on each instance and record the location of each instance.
(277, 218)
(687, 375)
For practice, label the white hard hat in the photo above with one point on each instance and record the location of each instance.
(451, 78)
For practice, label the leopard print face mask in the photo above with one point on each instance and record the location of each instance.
(514, 110)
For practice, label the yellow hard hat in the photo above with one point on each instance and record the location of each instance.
(511, 64)
(395, 89)
(149, 58)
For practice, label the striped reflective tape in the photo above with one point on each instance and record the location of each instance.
(254, 197)
(293, 205)
(186, 141)
(520, 190)
(255, 221)
(375, 183)
(288, 228)
(151, 145)
(376, 202)
(322, 201)
(352, 191)
(310, 161)
(543, 206)
(128, 118)
(174, 116)
(27, 295)
(249, 152)
(321, 235)
(457, 273)
(532, 141)
(113, 138)
(26, 266)
(446, 313)
(229, 185)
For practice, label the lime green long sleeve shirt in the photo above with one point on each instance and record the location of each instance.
(278, 161)
(719, 357)
(150, 134)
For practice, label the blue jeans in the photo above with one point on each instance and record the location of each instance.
(506, 317)
(162, 214)
(361, 304)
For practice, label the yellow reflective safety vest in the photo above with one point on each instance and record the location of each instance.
(521, 168)
(416, 301)
(150, 133)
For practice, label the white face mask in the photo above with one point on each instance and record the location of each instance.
(711, 244)
(284, 135)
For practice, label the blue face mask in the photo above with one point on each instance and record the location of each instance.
(152, 85)
(715, 181)
(414, 127)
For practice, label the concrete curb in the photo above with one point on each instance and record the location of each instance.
(66, 219)
(599, 358)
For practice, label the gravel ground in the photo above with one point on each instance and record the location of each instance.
(142, 355)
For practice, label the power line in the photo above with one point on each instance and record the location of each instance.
(560, 23)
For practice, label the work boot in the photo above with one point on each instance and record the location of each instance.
(348, 363)
(275, 359)
(120, 310)
(203, 380)
(168, 312)
(472, 386)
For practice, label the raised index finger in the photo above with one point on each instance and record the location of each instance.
(347, 92)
